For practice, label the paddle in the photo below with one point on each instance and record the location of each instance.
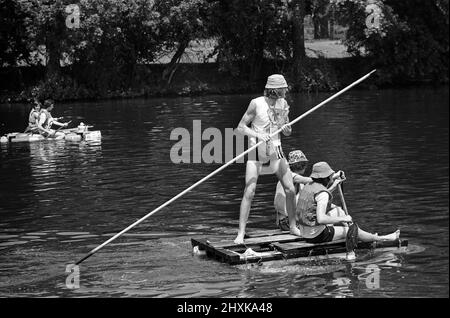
(56, 130)
(351, 241)
(92, 252)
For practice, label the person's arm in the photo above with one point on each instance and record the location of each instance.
(301, 179)
(287, 130)
(57, 123)
(279, 203)
(322, 216)
(339, 175)
(333, 186)
(40, 122)
(246, 120)
(35, 116)
(337, 178)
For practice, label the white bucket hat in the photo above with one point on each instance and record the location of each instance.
(276, 81)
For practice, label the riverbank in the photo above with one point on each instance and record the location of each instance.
(19, 84)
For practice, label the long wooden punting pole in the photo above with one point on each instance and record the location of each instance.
(221, 168)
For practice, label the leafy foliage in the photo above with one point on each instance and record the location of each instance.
(408, 39)
(13, 38)
(250, 30)
(406, 45)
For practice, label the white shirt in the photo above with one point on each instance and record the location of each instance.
(262, 123)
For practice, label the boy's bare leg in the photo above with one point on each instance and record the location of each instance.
(340, 233)
(251, 179)
(284, 174)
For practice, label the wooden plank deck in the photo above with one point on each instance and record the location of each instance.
(259, 241)
(263, 233)
(276, 246)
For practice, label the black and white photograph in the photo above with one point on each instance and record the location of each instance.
(233, 151)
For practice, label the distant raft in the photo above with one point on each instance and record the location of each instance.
(81, 133)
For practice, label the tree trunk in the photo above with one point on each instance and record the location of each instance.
(257, 59)
(298, 40)
(170, 70)
(54, 56)
(331, 28)
(316, 23)
(324, 32)
(55, 34)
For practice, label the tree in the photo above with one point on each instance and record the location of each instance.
(45, 30)
(320, 15)
(298, 35)
(406, 39)
(251, 31)
(120, 35)
(13, 36)
(115, 36)
(186, 24)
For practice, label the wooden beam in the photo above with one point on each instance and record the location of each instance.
(259, 241)
(222, 254)
(263, 233)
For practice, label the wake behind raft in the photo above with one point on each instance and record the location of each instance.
(279, 245)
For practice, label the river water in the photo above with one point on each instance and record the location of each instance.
(58, 200)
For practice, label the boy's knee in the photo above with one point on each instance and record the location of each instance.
(290, 191)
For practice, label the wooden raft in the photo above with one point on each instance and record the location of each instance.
(277, 245)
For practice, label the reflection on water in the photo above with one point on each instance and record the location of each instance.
(58, 200)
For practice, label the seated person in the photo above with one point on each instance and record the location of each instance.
(319, 221)
(33, 118)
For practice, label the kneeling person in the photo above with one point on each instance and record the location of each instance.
(298, 164)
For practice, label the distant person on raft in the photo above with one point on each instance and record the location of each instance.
(267, 114)
(46, 121)
(33, 118)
